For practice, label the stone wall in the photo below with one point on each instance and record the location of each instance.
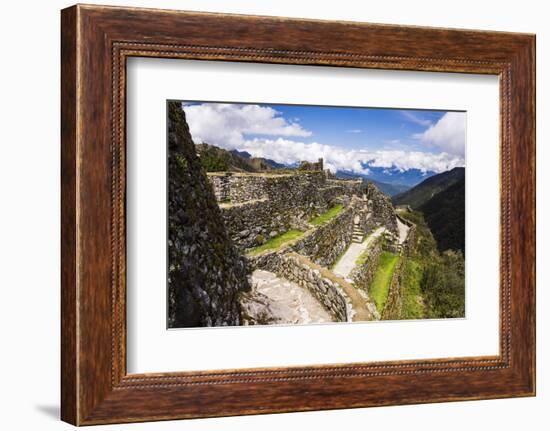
(221, 183)
(366, 221)
(381, 207)
(238, 188)
(289, 266)
(393, 307)
(362, 275)
(244, 187)
(205, 270)
(333, 188)
(252, 224)
(311, 166)
(394, 302)
(262, 206)
(326, 243)
(410, 242)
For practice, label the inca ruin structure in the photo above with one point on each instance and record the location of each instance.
(221, 270)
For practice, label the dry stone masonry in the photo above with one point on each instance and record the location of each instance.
(256, 207)
(326, 243)
(363, 275)
(206, 271)
(382, 210)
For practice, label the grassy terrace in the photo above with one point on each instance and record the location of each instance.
(413, 303)
(276, 242)
(327, 216)
(381, 283)
(363, 256)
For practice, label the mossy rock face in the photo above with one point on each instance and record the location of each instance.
(206, 272)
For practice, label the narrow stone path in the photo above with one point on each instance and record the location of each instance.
(403, 230)
(347, 262)
(287, 301)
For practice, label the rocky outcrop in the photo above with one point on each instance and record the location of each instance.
(381, 207)
(205, 270)
(256, 309)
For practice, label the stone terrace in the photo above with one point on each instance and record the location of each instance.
(259, 208)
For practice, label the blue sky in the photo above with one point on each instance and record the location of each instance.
(351, 139)
(357, 128)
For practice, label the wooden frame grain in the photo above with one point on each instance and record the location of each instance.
(95, 43)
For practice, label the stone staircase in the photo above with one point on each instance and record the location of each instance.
(358, 233)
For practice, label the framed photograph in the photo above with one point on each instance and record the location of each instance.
(264, 215)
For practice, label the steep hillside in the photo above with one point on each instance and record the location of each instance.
(258, 160)
(444, 214)
(433, 282)
(389, 189)
(423, 192)
(215, 159)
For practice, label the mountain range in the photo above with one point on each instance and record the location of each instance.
(215, 159)
(441, 198)
(387, 188)
(423, 192)
(392, 181)
(444, 214)
(399, 177)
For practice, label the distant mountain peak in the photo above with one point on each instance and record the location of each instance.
(395, 175)
(387, 188)
(243, 154)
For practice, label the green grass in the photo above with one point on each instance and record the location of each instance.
(381, 283)
(276, 242)
(365, 254)
(327, 216)
(413, 304)
(362, 257)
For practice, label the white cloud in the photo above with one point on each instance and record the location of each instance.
(358, 161)
(415, 118)
(225, 125)
(448, 134)
(354, 131)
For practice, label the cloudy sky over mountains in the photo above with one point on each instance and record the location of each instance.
(350, 139)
